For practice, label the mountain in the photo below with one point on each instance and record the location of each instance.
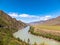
(49, 28)
(53, 21)
(8, 26)
(36, 23)
(7, 22)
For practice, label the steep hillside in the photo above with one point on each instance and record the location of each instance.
(8, 26)
(7, 22)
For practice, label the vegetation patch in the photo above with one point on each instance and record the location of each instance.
(44, 34)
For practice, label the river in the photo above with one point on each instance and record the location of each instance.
(25, 35)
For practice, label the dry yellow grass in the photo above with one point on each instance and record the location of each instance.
(48, 27)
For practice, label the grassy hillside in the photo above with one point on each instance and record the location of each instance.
(6, 38)
(7, 22)
(8, 26)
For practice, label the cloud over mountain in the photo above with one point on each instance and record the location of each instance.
(29, 18)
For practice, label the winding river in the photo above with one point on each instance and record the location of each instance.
(24, 35)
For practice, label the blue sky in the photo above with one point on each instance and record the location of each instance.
(31, 10)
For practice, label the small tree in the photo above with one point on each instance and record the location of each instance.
(28, 40)
(18, 39)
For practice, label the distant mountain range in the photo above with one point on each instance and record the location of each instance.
(36, 23)
(53, 21)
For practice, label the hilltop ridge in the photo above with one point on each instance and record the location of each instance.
(52, 22)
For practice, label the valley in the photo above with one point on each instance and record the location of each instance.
(14, 32)
(49, 28)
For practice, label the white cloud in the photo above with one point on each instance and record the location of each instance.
(29, 18)
(46, 17)
(14, 15)
(24, 15)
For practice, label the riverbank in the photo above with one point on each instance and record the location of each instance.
(44, 34)
(6, 38)
(24, 35)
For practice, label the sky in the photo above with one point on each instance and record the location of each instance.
(31, 10)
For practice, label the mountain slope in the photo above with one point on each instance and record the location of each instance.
(53, 21)
(7, 22)
(49, 29)
(36, 23)
(8, 26)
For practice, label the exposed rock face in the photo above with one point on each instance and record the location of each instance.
(7, 22)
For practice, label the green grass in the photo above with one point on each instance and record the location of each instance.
(6, 38)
